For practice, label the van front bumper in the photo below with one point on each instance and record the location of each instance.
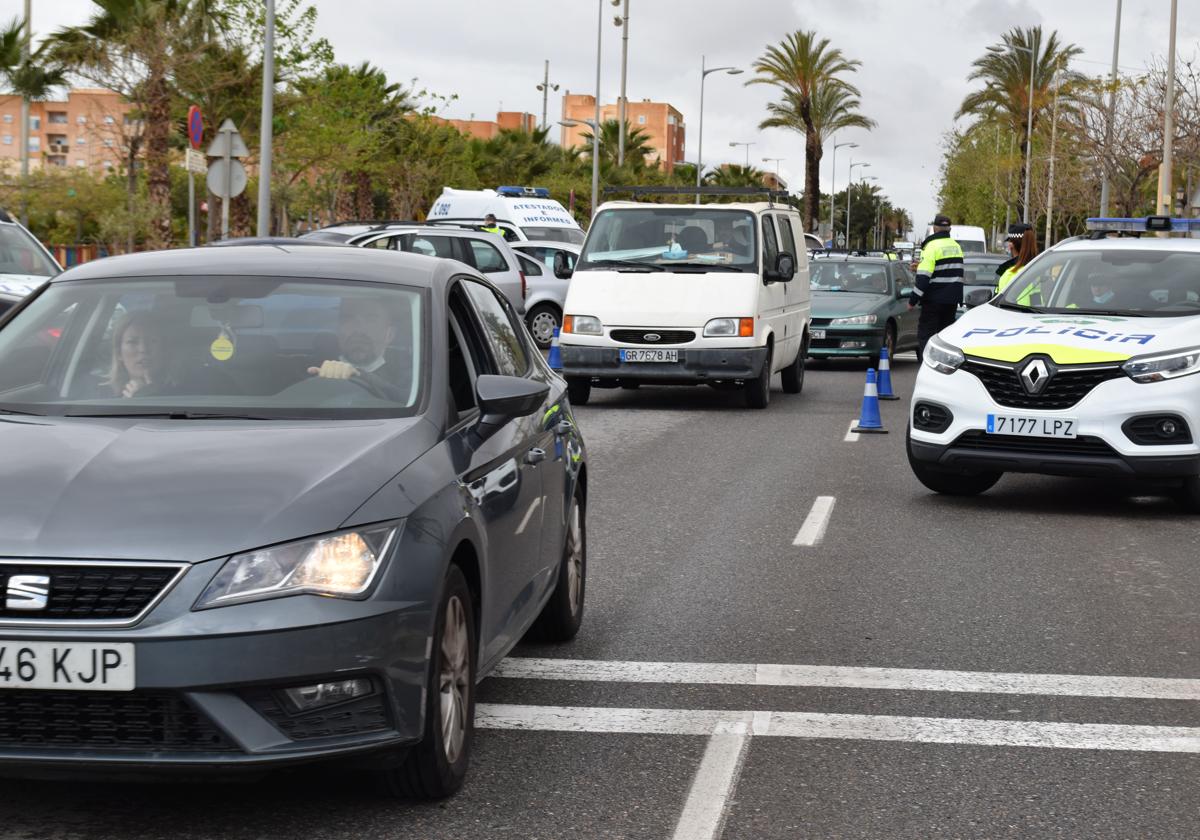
(695, 365)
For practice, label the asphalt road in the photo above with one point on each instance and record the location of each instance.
(1022, 664)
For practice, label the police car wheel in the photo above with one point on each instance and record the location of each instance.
(579, 389)
(1189, 494)
(949, 483)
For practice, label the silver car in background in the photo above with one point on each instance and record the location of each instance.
(546, 293)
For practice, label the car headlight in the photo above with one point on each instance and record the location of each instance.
(942, 357)
(340, 565)
(582, 325)
(855, 319)
(1165, 366)
(729, 328)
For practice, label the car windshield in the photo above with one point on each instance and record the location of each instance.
(216, 346)
(548, 234)
(847, 276)
(665, 237)
(972, 246)
(20, 253)
(1158, 283)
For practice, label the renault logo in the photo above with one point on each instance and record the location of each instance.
(1035, 376)
(27, 592)
(652, 337)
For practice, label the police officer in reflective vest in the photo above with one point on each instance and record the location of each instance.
(490, 226)
(939, 287)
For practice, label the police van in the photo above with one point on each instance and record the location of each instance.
(1084, 366)
(522, 213)
(688, 294)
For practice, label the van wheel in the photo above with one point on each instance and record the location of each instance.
(579, 389)
(949, 483)
(435, 768)
(792, 376)
(758, 389)
(543, 320)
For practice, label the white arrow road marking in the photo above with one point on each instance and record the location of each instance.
(813, 529)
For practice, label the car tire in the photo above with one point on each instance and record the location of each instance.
(542, 321)
(560, 619)
(579, 389)
(946, 482)
(889, 341)
(792, 376)
(758, 389)
(436, 767)
(1189, 494)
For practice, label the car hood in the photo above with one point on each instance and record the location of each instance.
(991, 332)
(660, 298)
(188, 490)
(21, 284)
(842, 304)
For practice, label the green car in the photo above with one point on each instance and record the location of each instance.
(859, 305)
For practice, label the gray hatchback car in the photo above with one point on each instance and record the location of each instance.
(266, 505)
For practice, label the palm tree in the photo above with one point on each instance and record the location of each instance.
(135, 47)
(637, 144)
(1004, 70)
(732, 175)
(33, 77)
(515, 156)
(816, 100)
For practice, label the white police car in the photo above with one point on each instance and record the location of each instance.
(1082, 367)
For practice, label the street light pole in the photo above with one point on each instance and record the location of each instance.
(1050, 175)
(596, 127)
(734, 144)
(545, 87)
(1166, 180)
(266, 132)
(623, 22)
(776, 162)
(26, 51)
(849, 184)
(1029, 128)
(1112, 110)
(732, 71)
(833, 181)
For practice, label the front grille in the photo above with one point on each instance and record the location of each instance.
(824, 343)
(1083, 445)
(821, 322)
(1066, 387)
(664, 336)
(89, 591)
(103, 721)
(354, 717)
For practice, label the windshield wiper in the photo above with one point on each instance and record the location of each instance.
(23, 413)
(1019, 307)
(626, 264)
(699, 268)
(172, 415)
(1124, 313)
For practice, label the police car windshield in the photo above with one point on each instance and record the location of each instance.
(669, 236)
(1147, 283)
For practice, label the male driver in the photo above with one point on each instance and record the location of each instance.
(939, 287)
(365, 330)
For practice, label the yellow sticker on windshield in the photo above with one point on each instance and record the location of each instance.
(221, 348)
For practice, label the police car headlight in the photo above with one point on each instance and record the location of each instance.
(1166, 366)
(857, 319)
(942, 357)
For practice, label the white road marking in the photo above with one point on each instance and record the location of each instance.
(837, 676)
(813, 529)
(851, 435)
(922, 730)
(708, 800)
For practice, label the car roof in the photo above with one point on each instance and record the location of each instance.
(751, 206)
(345, 263)
(1130, 243)
(547, 243)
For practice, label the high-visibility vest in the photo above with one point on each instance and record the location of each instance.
(940, 272)
(493, 229)
(1026, 298)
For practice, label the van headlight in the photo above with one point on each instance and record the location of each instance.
(942, 357)
(1165, 366)
(583, 325)
(854, 320)
(729, 328)
(340, 565)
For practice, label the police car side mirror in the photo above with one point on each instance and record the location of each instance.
(561, 269)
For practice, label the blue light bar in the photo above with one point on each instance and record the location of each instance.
(1145, 224)
(524, 192)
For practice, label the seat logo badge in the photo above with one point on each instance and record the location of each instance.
(27, 592)
(652, 337)
(1035, 376)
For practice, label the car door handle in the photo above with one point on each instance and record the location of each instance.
(563, 428)
(535, 456)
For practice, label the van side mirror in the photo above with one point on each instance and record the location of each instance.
(784, 269)
(561, 269)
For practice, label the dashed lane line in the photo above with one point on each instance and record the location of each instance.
(813, 529)
(813, 725)
(838, 676)
(851, 435)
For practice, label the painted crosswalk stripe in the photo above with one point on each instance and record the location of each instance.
(813, 529)
(854, 677)
(813, 725)
(712, 789)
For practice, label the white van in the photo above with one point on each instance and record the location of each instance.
(972, 239)
(688, 294)
(523, 213)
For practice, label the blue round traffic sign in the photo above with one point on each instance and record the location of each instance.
(195, 124)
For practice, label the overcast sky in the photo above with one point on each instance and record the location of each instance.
(915, 60)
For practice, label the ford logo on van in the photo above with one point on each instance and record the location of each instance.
(652, 337)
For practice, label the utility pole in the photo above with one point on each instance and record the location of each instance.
(596, 129)
(1050, 177)
(1029, 129)
(266, 129)
(1112, 110)
(1166, 180)
(545, 87)
(995, 185)
(623, 22)
(26, 52)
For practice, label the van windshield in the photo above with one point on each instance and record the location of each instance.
(554, 234)
(665, 237)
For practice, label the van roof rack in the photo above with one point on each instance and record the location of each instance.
(772, 195)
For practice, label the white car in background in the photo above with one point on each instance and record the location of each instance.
(522, 213)
(547, 293)
(25, 263)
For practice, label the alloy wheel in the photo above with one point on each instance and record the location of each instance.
(455, 678)
(575, 559)
(542, 326)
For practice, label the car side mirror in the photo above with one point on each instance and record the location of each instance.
(504, 398)
(978, 297)
(902, 293)
(561, 269)
(784, 269)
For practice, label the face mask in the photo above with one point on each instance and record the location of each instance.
(1104, 298)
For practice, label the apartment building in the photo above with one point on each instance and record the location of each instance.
(89, 129)
(487, 129)
(662, 123)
